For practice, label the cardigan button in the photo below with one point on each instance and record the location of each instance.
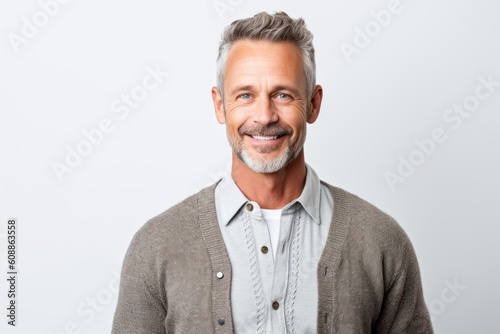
(276, 305)
(221, 322)
(220, 274)
(264, 249)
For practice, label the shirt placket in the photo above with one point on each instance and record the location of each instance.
(281, 273)
(262, 251)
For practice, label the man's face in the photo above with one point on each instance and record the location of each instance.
(265, 106)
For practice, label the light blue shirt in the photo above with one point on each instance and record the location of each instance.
(274, 295)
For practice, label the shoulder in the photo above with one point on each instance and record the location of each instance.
(363, 222)
(375, 269)
(179, 223)
(362, 233)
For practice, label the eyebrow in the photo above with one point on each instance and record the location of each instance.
(241, 88)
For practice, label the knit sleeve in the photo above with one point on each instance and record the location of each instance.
(403, 309)
(141, 306)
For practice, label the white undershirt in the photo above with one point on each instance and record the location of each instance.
(273, 220)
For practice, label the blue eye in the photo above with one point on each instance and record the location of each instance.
(282, 96)
(245, 96)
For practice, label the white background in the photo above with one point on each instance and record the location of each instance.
(63, 80)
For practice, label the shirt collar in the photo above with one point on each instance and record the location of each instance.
(310, 196)
(231, 199)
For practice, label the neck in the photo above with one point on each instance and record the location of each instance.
(271, 190)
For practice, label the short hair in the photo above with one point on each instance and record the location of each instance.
(278, 27)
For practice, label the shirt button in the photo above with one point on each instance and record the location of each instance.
(264, 249)
(249, 207)
(220, 274)
(221, 322)
(276, 305)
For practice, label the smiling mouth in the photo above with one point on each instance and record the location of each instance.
(265, 134)
(265, 137)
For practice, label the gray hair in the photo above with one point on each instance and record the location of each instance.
(278, 27)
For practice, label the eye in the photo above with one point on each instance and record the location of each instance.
(244, 96)
(282, 96)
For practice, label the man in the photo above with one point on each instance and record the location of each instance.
(271, 249)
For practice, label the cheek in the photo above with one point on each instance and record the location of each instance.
(296, 120)
(233, 126)
(235, 120)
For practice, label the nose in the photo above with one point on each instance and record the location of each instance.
(265, 112)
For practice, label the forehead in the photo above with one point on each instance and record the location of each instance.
(251, 60)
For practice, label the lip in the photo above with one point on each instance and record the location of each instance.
(265, 140)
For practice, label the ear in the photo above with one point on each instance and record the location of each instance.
(316, 98)
(218, 105)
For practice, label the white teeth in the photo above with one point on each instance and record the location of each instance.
(265, 137)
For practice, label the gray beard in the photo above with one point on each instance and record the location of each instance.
(270, 165)
(267, 166)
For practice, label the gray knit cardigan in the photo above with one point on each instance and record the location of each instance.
(176, 276)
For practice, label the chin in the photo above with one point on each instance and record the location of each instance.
(267, 166)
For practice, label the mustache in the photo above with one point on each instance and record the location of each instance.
(269, 130)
